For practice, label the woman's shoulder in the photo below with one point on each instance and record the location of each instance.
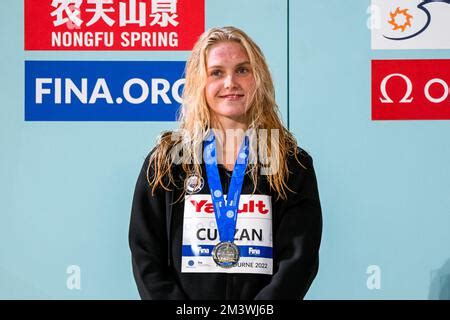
(161, 152)
(159, 163)
(164, 142)
(299, 159)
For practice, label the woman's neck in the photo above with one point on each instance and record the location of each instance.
(224, 123)
(229, 137)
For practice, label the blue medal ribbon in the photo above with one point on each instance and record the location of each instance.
(225, 211)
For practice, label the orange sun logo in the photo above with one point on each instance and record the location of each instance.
(407, 19)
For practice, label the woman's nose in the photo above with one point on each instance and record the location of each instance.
(229, 82)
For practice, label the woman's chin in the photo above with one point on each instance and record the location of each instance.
(233, 117)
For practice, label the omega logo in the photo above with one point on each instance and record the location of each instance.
(408, 98)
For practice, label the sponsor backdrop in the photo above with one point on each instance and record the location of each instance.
(82, 80)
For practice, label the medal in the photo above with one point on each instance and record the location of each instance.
(226, 253)
(190, 184)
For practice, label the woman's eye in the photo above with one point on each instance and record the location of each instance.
(216, 73)
(242, 70)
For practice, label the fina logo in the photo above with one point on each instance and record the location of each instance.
(403, 21)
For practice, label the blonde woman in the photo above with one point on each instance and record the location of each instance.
(227, 205)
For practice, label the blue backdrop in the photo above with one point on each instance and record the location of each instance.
(66, 187)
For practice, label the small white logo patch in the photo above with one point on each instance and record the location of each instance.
(193, 185)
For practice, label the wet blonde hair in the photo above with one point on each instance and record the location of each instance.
(195, 117)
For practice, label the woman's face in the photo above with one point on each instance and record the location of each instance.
(230, 82)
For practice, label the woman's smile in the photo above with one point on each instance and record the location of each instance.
(232, 97)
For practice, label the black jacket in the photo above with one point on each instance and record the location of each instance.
(156, 230)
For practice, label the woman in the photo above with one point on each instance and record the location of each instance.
(226, 206)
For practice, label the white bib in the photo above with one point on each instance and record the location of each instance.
(253, 235)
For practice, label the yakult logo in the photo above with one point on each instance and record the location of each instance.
(252, 206)
(113, 24)
(410, 89)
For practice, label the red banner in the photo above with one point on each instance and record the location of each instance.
(410, 90)
(113, 24)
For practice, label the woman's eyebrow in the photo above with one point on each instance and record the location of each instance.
(238, 65)
(242, 63)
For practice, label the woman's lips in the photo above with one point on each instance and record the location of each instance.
(232, 97)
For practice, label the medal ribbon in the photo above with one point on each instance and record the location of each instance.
(225, 211)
